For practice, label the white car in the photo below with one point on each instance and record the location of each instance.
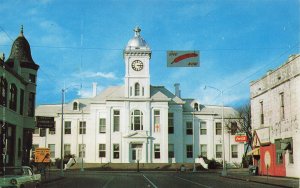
(19, 177)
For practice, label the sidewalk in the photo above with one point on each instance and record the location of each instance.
(242, 174)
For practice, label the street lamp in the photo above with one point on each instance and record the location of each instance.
(194, 166)
(61, 134)
(82, 147)
(224, 171)
(62, 128)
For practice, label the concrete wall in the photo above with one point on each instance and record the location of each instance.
(267, 90)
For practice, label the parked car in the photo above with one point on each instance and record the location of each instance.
(19, 177)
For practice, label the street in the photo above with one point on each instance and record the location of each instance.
(148, 179)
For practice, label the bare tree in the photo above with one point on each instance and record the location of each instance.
(240, 124)
(245, 115)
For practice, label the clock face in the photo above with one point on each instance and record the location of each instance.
(137, 65)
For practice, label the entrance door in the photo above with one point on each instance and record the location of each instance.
(136, 152)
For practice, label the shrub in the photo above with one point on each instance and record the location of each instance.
(213, 164)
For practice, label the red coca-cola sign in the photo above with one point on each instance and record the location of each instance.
(241, 138)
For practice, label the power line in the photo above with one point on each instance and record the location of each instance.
(6, 33)
(154, 50)
(258, 70)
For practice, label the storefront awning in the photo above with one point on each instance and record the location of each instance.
(254, 152)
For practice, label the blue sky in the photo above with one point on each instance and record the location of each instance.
(82, 41)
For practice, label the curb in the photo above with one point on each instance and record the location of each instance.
(251, 180)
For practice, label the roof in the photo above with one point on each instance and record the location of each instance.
(47, 110)
(20, 51)
(54, 109)
(161, 93)
(216, 110)
(157, 93)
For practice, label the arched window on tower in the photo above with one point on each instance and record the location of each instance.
(136, 120)
(13, 97)
(136, 89)
(3, 91)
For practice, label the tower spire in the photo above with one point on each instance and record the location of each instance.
(137, 31)
(21, 32)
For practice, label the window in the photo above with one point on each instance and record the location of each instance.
(116, 120)
(36, 131)
(81, 150)
(156, 151)
(234, 151)
(136, 89)
(3, 91)
(282, 115)
(219, 151)
(203, 129)
(101, 150)
(75, 106)
(279, 154)
(52, 130)
(171, 150)
(170, 123)
(67, 149)
(116, 150)
(67, 127)
(42, 132)
(189, 128)
(102, 125)
(82, 127)
(203, 150)
(52, 150)
(143, 91)
(32, 78)
(21, 101)
(156, 120)
(288, 146)
(189, 151)
(218, 128)
(233, 128)
(196, 107)
(136, 120)
(13, 97)
(262, 112)
(31, 104)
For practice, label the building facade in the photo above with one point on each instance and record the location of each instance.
(275, 109)
(17, 103)
(138, 121)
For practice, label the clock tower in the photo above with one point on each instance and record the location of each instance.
(137, 75)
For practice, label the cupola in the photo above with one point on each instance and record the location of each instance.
(137, 42)
(21, 53)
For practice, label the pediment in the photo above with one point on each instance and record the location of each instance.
(137, 134)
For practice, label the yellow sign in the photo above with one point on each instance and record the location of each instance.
(42, 155)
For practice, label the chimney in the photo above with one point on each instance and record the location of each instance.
(94, 89)
(177, 90)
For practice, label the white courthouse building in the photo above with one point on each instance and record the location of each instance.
(138, 121)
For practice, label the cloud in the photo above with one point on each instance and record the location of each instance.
(89, 74)
(87, 92)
